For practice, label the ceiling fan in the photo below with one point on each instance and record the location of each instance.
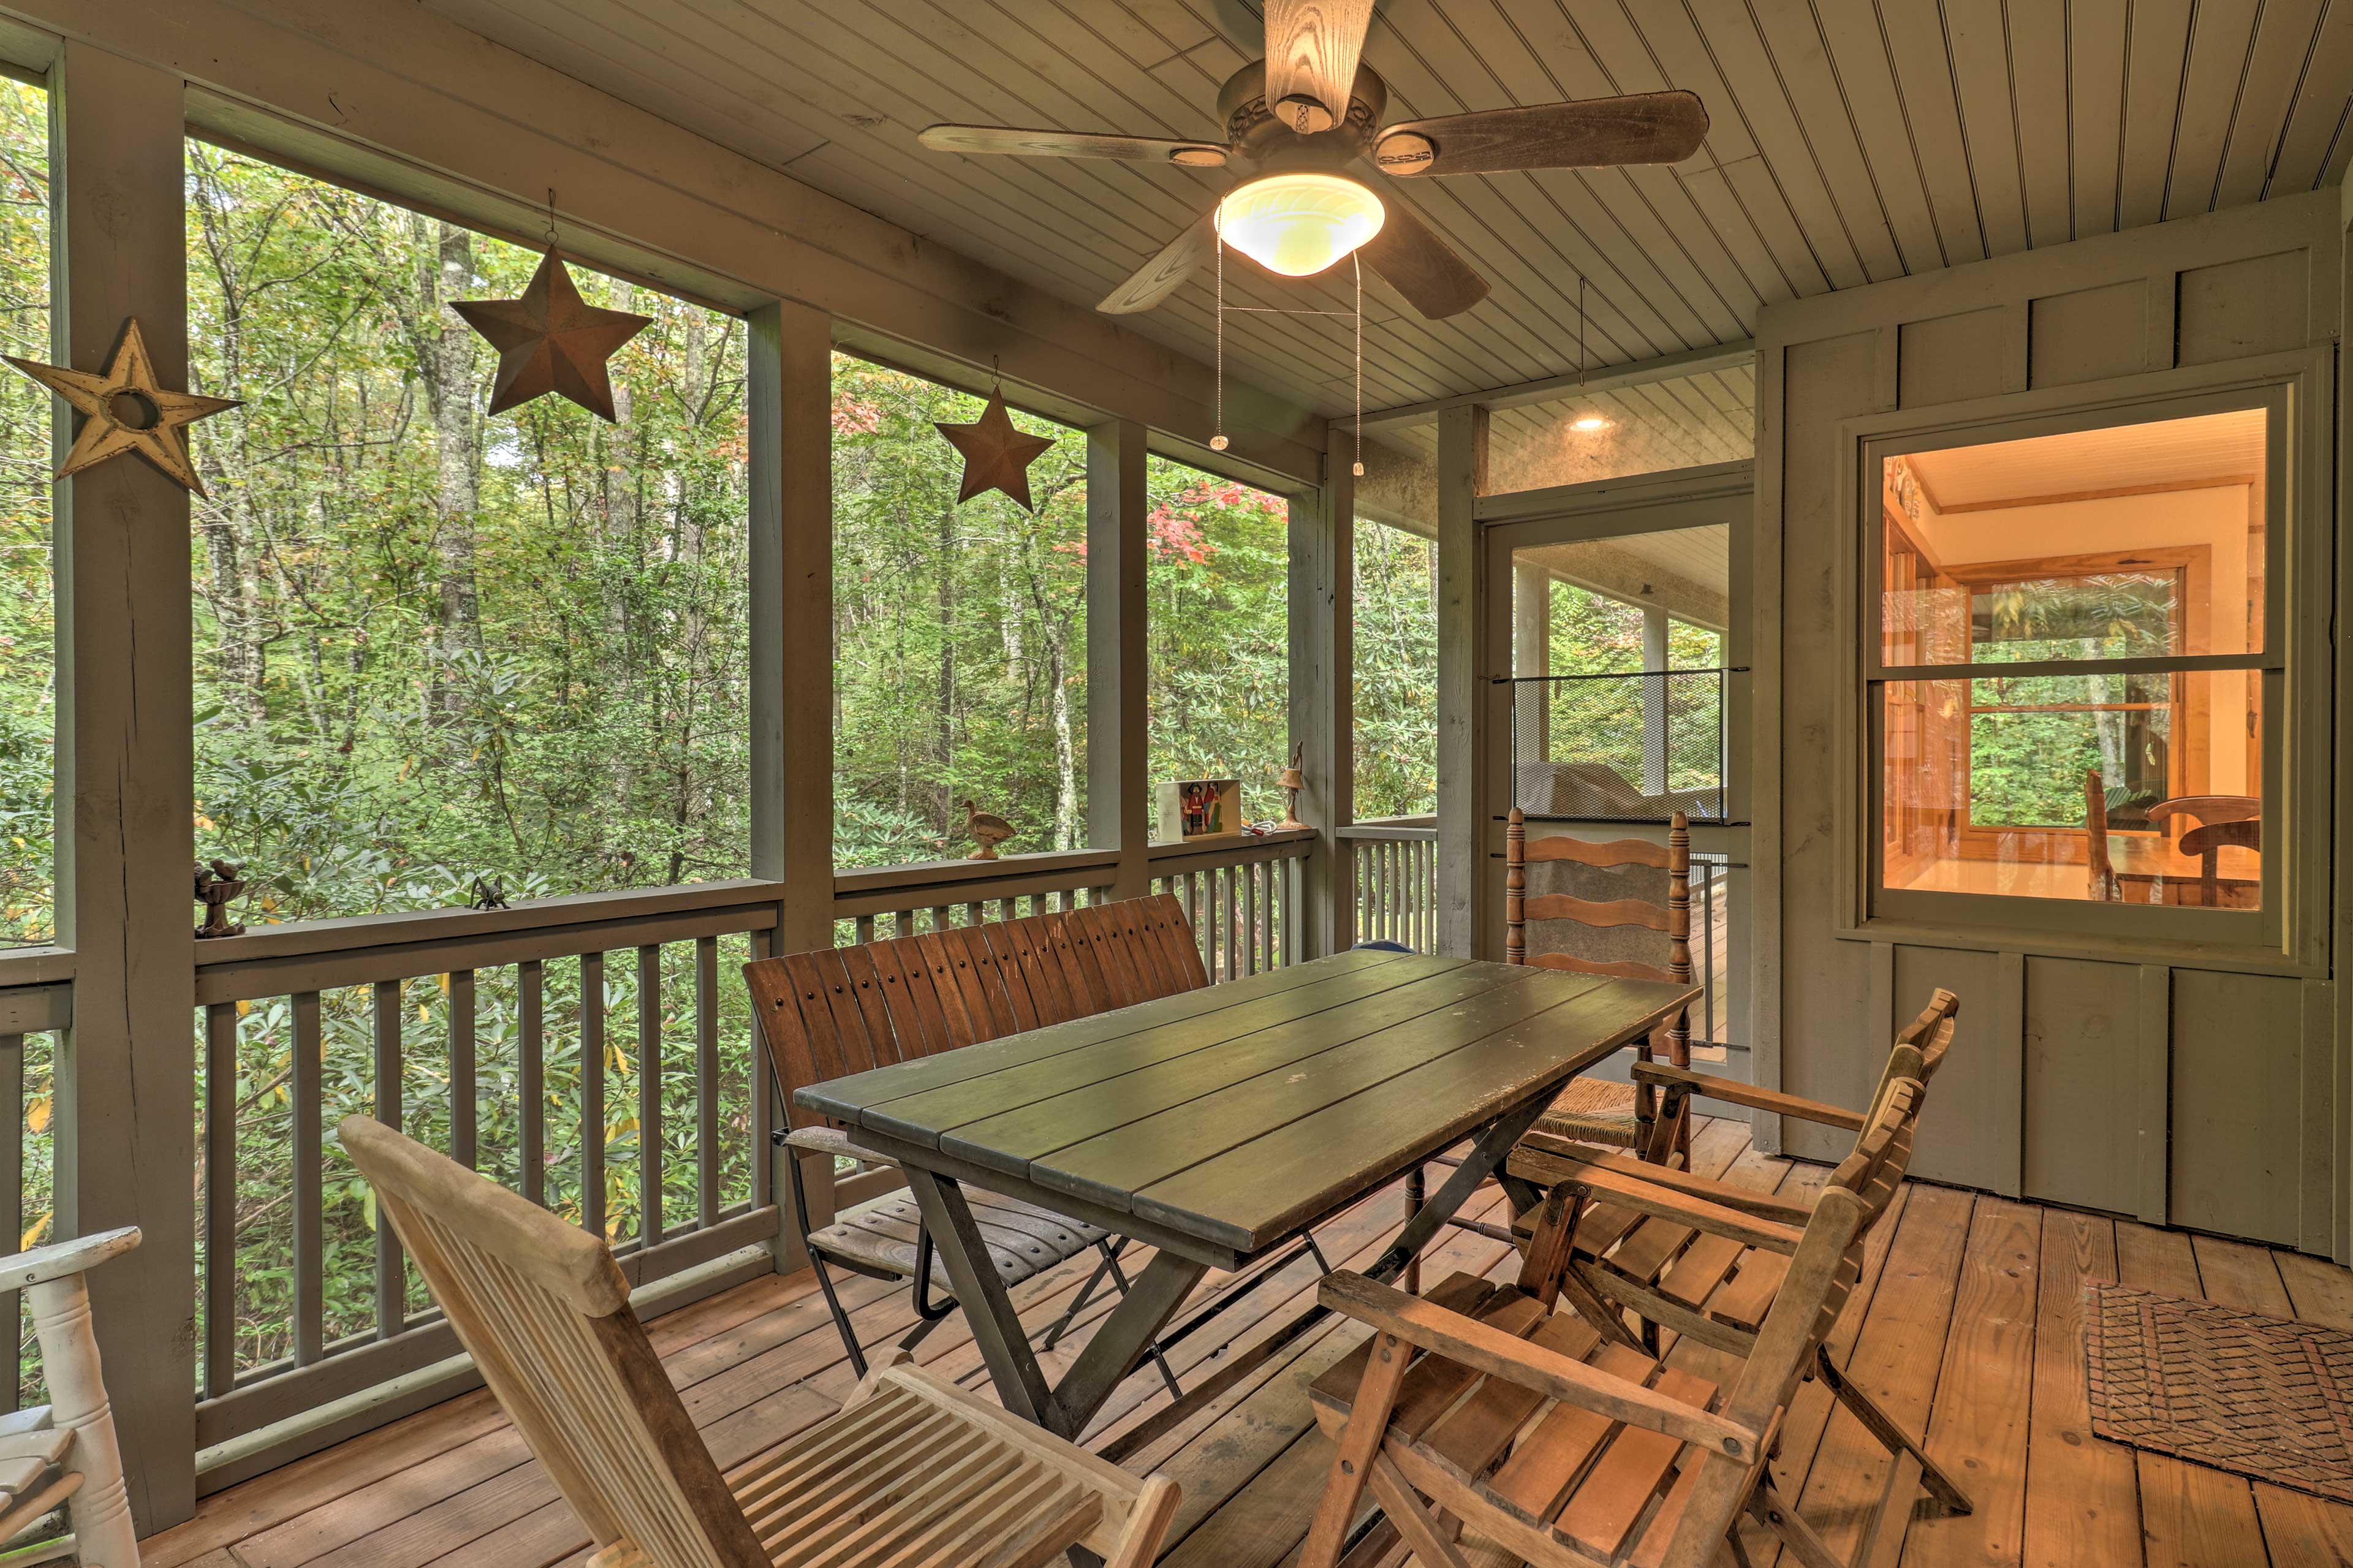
(1297, 122)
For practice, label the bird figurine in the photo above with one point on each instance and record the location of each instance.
(986, 829)
(1293, 780)
(217, 886)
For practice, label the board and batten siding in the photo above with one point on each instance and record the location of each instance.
(2200, 1087)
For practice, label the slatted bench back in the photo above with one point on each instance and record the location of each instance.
(841, 1010)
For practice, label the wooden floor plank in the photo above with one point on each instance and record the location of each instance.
(1979, 1431)
(1966, 1324)
(1894, 1362)
(2083, 1495)
(2191, 1516)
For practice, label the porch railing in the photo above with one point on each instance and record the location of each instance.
(591, 1053)
(1393, 867)
(1242, 897)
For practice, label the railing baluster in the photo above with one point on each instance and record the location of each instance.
(391, 1282)
(531, 1078)
(220, 1190)
(592, 1091)
(865, 927)
(939, 917)
(975, 913)
(1250, 919)
(706, 1079)
(1707, 950)
(464, 1135)
(307, 1176)
(649, 1108)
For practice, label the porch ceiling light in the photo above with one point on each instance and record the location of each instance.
(1589, 422)
(1299, 224)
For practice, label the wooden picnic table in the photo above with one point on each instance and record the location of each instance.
(1221, 1125)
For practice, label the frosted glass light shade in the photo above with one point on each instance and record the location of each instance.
(1299, 224)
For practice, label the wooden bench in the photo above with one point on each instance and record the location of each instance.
(836, 1011)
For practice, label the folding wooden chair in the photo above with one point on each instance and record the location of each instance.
(835, 1011)
(1652, 1136)
(911, 1470)
(1691, 1256)
(1483, 1412)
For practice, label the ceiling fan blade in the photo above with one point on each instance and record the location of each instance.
(1158, 277)
(1418, 265)
(1311, 59)
(1645, 128)
(1070, 144)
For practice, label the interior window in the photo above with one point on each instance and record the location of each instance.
(2069, 577)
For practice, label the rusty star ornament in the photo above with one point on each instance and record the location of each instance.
(997, 456)
(552, 340)
(123, 410)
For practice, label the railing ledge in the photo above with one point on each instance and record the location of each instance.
(1228, 843)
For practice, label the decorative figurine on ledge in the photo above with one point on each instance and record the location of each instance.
(487, 895)
(216, 885)
(1292, 780)
(986, 829)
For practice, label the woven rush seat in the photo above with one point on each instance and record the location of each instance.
(1594, 1110)
(1024, 1240)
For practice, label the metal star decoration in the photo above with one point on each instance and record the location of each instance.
(123, 410)
(997, 456)
(552, 340)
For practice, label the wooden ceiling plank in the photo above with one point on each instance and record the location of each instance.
(1924, 76)
(1644, 203)
(1790, 34)
(2315, 124)
(1826, 183)
(2157, 51)
(1431, 73)
(2096, 94)
(1669, 37)
(1626, 63)
(1864, 91)
(1478, 38)
(1976, 39)
(1075, 64)
(2222, 53)
(2038, 59)
(2275, 72)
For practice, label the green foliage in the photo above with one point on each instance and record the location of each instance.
(1397, 672)
(28, 715)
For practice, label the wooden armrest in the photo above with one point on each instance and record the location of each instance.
(830, 1141)
(1748, 1200)
(60, 1258)
(1644, 1195)
(1516, 1359)
(1734, 1092)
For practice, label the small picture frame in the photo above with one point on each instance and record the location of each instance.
(1200, 808)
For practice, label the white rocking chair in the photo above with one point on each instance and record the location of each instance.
(64, 1451)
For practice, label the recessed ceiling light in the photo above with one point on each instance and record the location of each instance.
(1590, 422)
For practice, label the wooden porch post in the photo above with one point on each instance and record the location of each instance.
(1463, 743)
(790, 396)
(1118, 738)
(126, 1069)
(1532, 655)
(1323, 688)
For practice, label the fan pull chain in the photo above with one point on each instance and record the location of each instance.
(1218, 440)
(1357, 261)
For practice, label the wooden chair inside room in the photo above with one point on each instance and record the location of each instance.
(911, 1470)
(1619, 1116)
(835, 1011)
(1680, 1254)
(2204, 825)
(1492, 1428)
(2104, 888)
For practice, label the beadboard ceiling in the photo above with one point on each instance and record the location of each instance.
(1852, 141)
(2212, 449)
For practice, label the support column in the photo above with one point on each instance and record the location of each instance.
(1532, 655)
(1323, 690)
(1654, 700)
(126, 729)
(789, 392)
(1464, 742)
(1118, 733)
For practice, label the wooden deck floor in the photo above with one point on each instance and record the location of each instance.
(1966, 1322)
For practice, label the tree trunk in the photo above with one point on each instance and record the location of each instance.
(449, 385)
(945, 560)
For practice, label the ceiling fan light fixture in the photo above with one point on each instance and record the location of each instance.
(1299, 224)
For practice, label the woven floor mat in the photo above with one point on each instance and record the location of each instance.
(2265, 1397)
